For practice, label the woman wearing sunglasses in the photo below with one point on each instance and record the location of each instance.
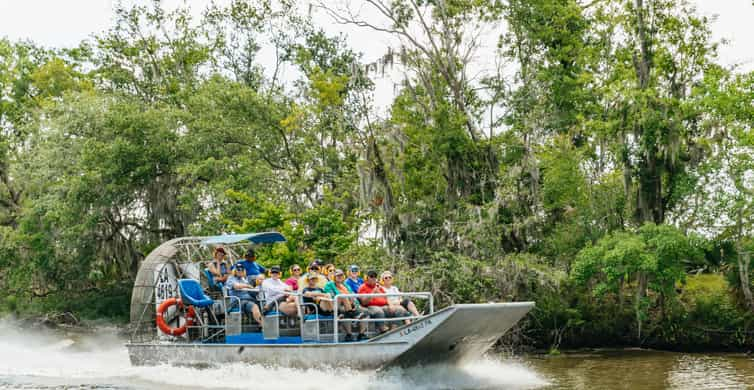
(295, 272)
(397, 303)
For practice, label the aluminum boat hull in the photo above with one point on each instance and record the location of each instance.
(453, 335)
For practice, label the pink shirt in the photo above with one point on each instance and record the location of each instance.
(293, 282)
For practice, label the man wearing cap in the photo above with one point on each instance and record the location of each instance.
(252, 267)
(314, 295)
(239, 286)
(275, 290)
(313, 272)
(354, 282)
(347, 307)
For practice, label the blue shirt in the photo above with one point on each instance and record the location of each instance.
(252, 268)
(354, 284)
(242, 294)
(233, 280)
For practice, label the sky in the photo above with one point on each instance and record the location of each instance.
(65, 23)
(57, 23)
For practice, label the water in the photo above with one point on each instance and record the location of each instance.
(54, 360)
(641, 369)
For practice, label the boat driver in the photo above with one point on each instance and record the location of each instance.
(252, 267)
(240, 286)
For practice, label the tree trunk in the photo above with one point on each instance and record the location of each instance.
(744, 257)
(743, 274)
(641, 288)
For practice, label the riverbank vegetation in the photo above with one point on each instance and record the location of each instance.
(592, 156)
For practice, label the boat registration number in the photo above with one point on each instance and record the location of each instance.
(412, 329)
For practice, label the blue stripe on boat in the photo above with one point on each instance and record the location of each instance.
(258, 338)
(312, 317)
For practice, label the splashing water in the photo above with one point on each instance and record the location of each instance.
(47, 359)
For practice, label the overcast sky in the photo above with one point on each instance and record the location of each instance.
(58, 23)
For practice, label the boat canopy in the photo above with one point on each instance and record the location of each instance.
(257, 238)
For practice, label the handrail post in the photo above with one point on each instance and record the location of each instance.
(335, 320)
(431, 303)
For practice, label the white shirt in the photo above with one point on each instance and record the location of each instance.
(273, 288)
(393, 300)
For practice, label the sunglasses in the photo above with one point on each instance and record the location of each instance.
(296, 269)
(387, 277)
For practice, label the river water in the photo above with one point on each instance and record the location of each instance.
(97, 360)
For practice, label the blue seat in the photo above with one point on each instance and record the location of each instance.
(316, 317)
(192, 294)
(211, 281)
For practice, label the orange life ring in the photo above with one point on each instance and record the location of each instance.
(161, 320)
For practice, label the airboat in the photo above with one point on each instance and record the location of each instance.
(176, 320)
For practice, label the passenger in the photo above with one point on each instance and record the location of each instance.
(354, 281)
(218, 267)
(313, 270)
(349, 307)
(313, 294)
(250, 263)
(397, 301)
(375, 306)
(239, 286)
(329, 271)
(295, 271)
(258, 280)
(275, 290)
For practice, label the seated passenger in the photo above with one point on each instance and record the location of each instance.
(375, 306)
(397, 301)
(314, 294)
(313, 271)
(348, 307)
(328, 271)
(354, 281)
(239, 286)
(292, 281)
(218, 267)
(257, 280)
(275, 290)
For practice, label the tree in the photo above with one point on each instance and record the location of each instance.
(650, 259)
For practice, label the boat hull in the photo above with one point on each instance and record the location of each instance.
(453, 335)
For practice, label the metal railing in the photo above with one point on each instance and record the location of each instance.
(425, 295)
(230, 302)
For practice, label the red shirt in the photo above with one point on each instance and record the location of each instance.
(376, 301)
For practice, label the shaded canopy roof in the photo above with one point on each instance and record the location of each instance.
(257, 238)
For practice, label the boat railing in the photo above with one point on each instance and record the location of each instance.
(425, 295)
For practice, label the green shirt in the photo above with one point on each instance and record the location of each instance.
(331, 289)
